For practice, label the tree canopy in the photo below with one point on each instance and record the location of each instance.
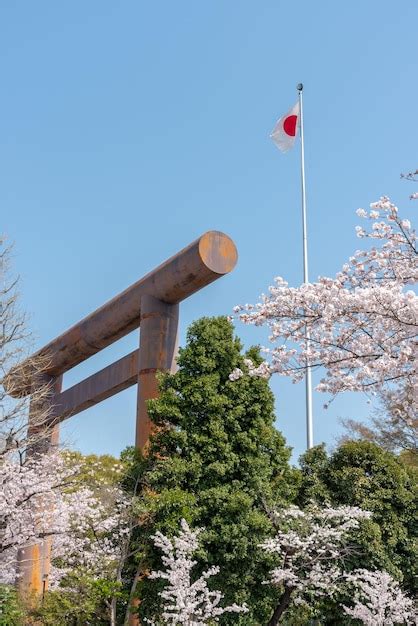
(360, 473)
(215, 460)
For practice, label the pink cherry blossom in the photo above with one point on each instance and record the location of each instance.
(362, 324)
(378, 600)
(43, 499)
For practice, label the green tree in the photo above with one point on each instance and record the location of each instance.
(95, 471)
(216, 460)
(362, 474)
(83, 604)
(11, 611)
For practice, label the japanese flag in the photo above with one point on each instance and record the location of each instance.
(285, 131)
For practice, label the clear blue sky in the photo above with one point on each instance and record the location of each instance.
(129, 128)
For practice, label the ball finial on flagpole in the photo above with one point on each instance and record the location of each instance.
(299, 86)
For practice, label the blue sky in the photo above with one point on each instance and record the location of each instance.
(128, 129)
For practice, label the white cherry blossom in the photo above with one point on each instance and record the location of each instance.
(311, 546)
(363, 324)
(379, 600)
(43, 499)
(185, 602)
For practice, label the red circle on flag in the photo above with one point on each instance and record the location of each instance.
(289, 125)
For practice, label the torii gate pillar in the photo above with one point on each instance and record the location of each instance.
(157, 352)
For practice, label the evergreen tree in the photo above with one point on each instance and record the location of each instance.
(217, 461)
(362, 474)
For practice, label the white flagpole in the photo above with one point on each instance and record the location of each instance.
(308, 376)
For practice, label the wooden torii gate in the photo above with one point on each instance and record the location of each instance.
(152, 303)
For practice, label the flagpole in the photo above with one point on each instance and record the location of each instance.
(308, 376)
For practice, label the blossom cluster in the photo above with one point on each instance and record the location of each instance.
(262, 371)
(186, 602)
(311, 548)
(379, 600)
(42, 500)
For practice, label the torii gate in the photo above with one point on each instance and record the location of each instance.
(151, 303)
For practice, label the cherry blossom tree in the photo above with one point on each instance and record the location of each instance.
(42, 499)
(379, 600)
(362, 324)
(185, 602)
(86, 520)
(311, 546)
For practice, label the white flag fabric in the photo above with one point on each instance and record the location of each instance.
(286, 128)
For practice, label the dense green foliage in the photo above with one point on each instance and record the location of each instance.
(84, 601)
(11, 612)
(360, 473)
(95, 471)
(216, 460)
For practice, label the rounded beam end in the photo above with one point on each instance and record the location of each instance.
(218, 252)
